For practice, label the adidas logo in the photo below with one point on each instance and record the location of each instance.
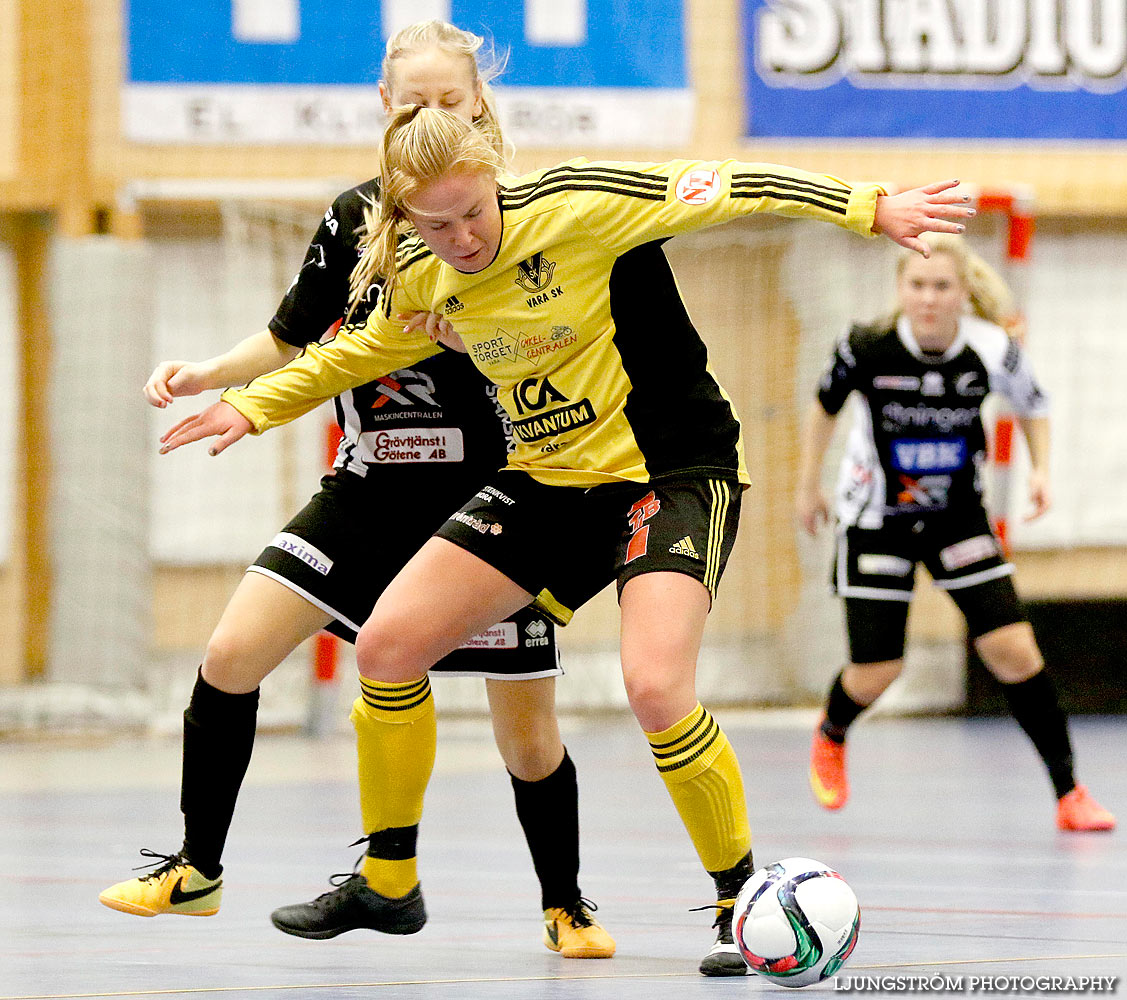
(453, 305)
(685, 547)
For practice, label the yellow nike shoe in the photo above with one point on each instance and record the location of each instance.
(174, 887)
(574, 933)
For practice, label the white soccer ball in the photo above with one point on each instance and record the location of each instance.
(796, 922)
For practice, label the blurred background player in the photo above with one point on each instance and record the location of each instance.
(367, 520)
(911, 492)
(607, 481)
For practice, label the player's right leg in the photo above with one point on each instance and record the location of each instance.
(262, 624)
(547, 800)
(441, 599)
(873, 572)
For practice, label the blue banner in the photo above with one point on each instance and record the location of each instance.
(246, 70)
(934, 69)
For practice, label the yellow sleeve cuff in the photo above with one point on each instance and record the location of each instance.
(860, 213)
(259, 422)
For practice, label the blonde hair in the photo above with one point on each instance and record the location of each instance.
(375, 260)
(420, 145)
(988, 295)
(485, 65)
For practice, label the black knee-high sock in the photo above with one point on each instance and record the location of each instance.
(548, 811)
(218, 739)
(841, 712)
(1034, 704)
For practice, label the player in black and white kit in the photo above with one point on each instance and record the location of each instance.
(415, 444)
(911, 492)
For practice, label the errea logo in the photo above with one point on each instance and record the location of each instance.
(537, 631)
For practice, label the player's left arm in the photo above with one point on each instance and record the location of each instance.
(1036, 431)
(1017, 381)
(637, 202)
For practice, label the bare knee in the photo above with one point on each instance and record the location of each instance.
(529, 755)
(384, 653)
(230, 663)
(866, 682)
(659, 695)
(525, 726)
(1010, 652)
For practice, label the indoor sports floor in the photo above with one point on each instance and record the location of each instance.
(948, 842)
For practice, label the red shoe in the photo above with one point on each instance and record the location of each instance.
(828, 780)
(1079, 811)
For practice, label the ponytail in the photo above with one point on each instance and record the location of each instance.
(420, 145)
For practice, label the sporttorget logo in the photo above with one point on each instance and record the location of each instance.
(526, 347)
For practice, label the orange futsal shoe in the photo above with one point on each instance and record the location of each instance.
(1079, 811)
(828, 780)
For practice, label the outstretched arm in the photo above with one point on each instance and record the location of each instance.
(810, 502)
(253, 356)
(934, 208)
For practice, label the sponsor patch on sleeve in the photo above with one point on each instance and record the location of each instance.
(698, 187)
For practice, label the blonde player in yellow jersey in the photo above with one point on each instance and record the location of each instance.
(288, 594)
(628, 463)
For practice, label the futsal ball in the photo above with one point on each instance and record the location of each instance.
(795, 922)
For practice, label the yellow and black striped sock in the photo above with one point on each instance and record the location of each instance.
(395, 743)
(701, 772)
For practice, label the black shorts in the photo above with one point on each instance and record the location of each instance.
(348, 543)
(565, 543)
(880, 563)
(874, 570)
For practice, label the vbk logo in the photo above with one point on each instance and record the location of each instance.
(535, 274)
(401, 386)
(530, 396)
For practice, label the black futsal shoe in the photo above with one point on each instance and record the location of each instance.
(724, 958)
(352, 906)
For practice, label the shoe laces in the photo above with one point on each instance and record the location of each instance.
(163, 864)
(340, 879)
(579, 912)
(723, 921)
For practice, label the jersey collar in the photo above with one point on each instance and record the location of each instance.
(908, 339)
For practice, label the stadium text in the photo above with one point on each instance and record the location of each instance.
(1006, 985)
(1049, 44)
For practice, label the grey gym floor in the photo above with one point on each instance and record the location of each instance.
(948, 842)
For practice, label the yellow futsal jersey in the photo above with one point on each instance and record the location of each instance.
(578, 319)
